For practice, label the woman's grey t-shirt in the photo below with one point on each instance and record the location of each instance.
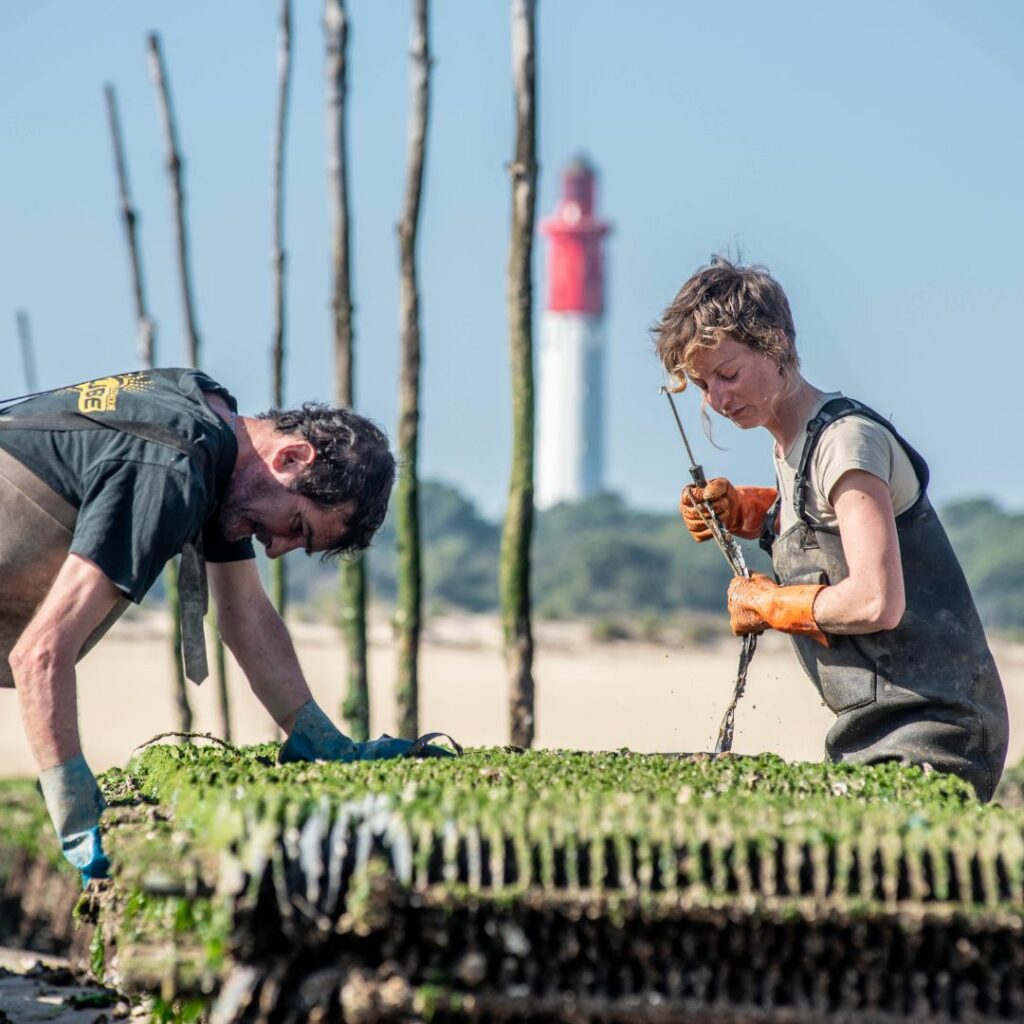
(853, 442)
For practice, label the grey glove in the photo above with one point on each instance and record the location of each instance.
(75, 804)
(315, 738)
(386, 746)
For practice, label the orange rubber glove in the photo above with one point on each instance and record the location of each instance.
(757, 602)
(741, 509)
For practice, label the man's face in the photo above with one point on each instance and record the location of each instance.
(261, 504)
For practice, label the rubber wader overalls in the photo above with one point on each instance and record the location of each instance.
(36, 534)
(925, 692)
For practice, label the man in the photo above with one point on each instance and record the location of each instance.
(101, 483)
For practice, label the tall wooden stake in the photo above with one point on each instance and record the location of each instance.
(175, 171)
(145, 329)
(28, 356)
(146, 351)
(352, 574)
(278, 567)
(407, 504)
(518, 528)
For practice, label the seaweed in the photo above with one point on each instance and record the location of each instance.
(523, 884)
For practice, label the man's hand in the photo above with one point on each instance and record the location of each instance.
(757, 602)
(75, 804)
(386, 747)
(43, 665)
(316, 738)
(740, 509)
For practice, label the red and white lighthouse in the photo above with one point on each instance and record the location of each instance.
(570, 463)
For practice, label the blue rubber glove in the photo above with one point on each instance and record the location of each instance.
(316, 738)
(85, 851)
(388, 746)
(75, 804)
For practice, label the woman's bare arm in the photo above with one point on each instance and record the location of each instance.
(871, 598)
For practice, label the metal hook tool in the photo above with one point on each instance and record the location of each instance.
(734, 556)
(723, 538)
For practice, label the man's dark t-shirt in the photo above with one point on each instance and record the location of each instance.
(138, 501)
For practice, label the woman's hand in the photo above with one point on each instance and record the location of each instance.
(741, 510)
(757, 602)
(871, 598)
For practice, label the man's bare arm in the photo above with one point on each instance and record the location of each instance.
(258, 638)
(43, 660)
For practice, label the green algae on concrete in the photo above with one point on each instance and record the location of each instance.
(224, 859)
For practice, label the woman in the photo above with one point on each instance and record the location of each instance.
(867, 582)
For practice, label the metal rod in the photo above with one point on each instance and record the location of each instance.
(723, 538)
(734, 556)
(679, 423)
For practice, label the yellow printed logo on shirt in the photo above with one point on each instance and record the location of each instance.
(101, 395)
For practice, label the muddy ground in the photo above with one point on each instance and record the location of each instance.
(36, 988)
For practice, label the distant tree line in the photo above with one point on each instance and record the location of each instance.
(601, 559)
(990, 544)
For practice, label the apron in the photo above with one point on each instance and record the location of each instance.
(925, 692)
(38, 526)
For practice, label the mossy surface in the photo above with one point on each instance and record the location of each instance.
(222, 854)
(632, 824)
(188, 778)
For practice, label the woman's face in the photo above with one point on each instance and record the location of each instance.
(738, 382)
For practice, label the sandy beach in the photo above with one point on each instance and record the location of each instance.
(599, 696)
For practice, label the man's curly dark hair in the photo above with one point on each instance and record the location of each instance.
(353, 463)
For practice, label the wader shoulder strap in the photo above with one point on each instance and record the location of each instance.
(834, 410)
(193, 593)
(768, 534)
(66, 419)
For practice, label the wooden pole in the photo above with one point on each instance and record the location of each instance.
(181, 700)
(146, 350)
(145, 329)
(408, 613)
(28, 356)
(278, 567)
(352, 574)
(518, 526)
(175, 173)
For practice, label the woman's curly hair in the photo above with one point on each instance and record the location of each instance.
(353, 463)
(725, 299)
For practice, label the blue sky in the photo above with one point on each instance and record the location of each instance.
(870, 154)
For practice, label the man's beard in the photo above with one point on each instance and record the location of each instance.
(239, 516)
